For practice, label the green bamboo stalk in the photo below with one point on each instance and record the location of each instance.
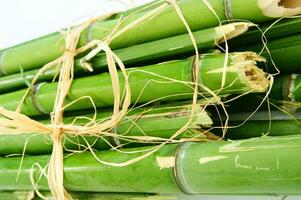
(159, 122)
(20, 195)
(151, 83)
(274, 123)
(283, 28)
(197, 14)
(256, 166)
(284, 53)
(133, 55)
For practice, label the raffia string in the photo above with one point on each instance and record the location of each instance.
(17, 123)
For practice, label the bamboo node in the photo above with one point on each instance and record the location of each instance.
(2, 72)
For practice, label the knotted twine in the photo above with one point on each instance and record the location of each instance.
(17, 123)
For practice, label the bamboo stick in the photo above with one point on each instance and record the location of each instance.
(263, 123)
(162, 82)
(20, 195)
(285, 53)
(139, 54)
(197, 14)
(256, 166)
(157, 122)
(273, 30)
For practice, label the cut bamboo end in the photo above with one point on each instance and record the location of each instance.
(229, 31)
(280, 8)
(256, 78)
(203, 119)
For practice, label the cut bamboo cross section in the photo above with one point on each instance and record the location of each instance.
(263, 123)
(287, 7)
(161, 82)
(134, 55)
(232, 167)
(38, 52)
(143, 126)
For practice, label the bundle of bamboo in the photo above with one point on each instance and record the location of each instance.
(157, 114)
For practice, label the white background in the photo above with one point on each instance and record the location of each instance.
(22, 20)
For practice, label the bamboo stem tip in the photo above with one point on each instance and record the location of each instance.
(229, 31)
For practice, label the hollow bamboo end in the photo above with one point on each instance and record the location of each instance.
(256, 78)
(280, 8)
(229, 31)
